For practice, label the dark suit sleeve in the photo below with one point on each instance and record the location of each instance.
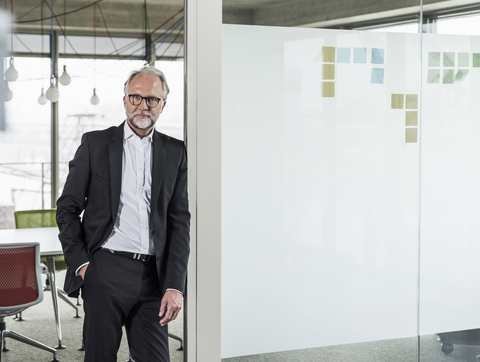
(178, 230)
(71, 204)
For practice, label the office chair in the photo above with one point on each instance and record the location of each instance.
(38, 219)
(20, 288)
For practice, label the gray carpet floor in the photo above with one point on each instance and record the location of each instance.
(398, 350)
(40, 325)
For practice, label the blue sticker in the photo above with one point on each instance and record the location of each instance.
(343, 55)
(378, 75)
(359, 55)
(378, 56)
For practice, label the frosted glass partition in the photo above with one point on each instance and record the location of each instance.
(450, 193)
(320, 188)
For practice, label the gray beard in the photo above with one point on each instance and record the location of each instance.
(142, 124)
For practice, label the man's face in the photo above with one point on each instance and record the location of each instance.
(143, 117)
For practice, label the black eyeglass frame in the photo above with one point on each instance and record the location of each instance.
(130, 96)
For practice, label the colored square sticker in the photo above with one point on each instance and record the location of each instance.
(328, 54)
(433, 76)
(397, 101)
(378, 56)
(448, 76)
(448, 59)
(328, 71)
(359, 55)
(328, 89)
(411, 135)
(411, 101)
(433, 59)
(411, 118)
(343, 55)
(476, 60)
(377, 75)
(463, 59)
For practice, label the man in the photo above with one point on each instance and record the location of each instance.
(128, 253)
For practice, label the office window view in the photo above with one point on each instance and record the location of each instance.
(349, 188)
(25, 142)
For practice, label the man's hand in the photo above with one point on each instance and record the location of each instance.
(170, 307)
(81, 272)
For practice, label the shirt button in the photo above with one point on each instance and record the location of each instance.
(139, 189)
(139, 169)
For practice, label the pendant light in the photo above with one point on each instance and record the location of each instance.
(52, 92)
(7, 93)
(65, 78)
(11, 73)
(42, 99)
(94, 99)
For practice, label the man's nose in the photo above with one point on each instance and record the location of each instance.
(143, 104)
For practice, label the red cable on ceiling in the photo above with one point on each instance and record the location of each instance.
(176, 55)
(108, 32)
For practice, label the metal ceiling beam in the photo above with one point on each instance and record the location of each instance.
(331, 14)
(123, 19)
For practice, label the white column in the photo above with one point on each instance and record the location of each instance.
(203, 136)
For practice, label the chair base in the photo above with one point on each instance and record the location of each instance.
(18, 337)
(171, 335)
(64, 297)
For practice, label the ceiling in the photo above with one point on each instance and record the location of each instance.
(126, 17)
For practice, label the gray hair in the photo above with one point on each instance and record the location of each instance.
(151, 71)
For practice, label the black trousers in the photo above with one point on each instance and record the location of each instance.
(119, 291)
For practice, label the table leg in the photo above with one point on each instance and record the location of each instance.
(53, 285)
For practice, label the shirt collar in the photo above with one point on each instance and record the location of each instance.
(128, 133)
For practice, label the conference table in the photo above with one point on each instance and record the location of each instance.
(50, 247)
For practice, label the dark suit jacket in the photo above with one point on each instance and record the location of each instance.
(93, 187)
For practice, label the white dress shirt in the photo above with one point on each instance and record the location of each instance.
(131, 231)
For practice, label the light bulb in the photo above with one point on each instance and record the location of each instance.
(65, 79)
(11, 73)
(94, 99)
(52, 92)
(42, 99)
(7, 93)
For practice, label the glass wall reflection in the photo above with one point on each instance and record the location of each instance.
(349, 183)
(449, 276)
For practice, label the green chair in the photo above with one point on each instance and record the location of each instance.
(39, 219)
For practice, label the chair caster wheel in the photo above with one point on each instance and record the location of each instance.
(447, 348)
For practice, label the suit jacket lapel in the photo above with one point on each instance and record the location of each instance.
(159, 157)
(115, 150)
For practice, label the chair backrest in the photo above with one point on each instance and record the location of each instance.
(20, 276)
(35, 219)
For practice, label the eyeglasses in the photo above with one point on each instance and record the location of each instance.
(151, 102)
